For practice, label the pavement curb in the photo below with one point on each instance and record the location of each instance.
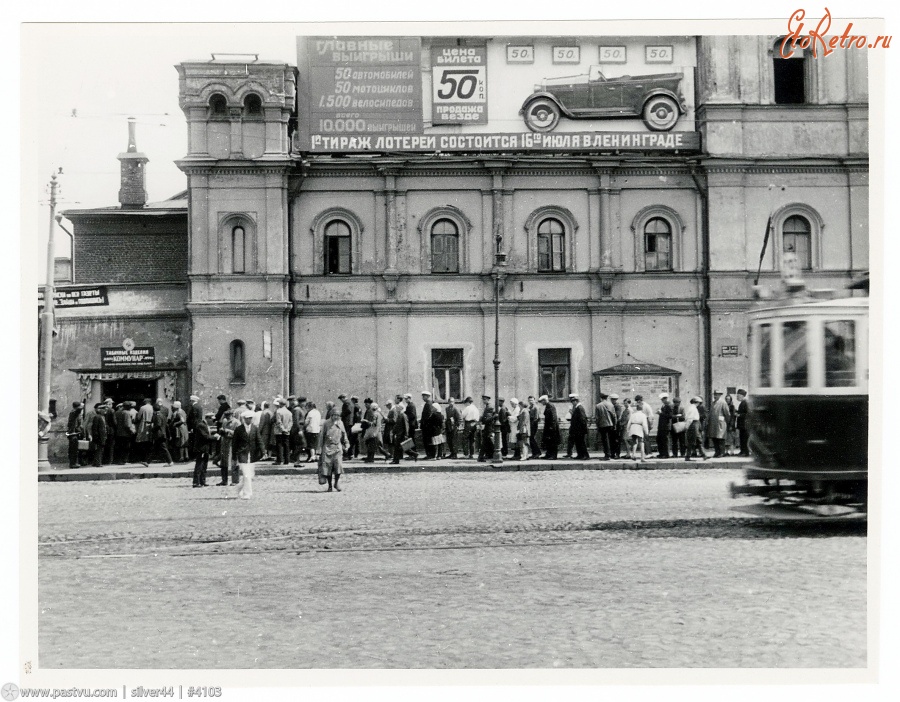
(186, 471)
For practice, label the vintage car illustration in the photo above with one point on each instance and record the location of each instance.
(657, 99)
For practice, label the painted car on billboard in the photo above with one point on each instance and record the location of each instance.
(656, 99)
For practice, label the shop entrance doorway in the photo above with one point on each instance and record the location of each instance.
(134, 389)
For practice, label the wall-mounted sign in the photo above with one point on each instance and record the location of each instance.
(360, 85)
(459, 85)
(518, 53)
(730, 350)
(137, 357)
(77, 297)
(614, 54)
(659, 54)
(527, 141)
(566, 54)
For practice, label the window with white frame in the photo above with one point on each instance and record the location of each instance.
(447, 373)
(554, 373)
(337, 248)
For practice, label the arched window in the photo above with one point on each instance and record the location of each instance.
(797, 229)
(238, 250)
(218, 106)
(657, 245)
(658, 233)
(444, 247)
(796, 238)
(789, 73)
(551, 246)
(237, 361)
(252, 106)
(337, 248)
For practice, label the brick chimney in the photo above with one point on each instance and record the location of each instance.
(132, 194)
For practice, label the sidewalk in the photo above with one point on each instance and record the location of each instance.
(133, 471)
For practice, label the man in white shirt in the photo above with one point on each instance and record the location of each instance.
(312, 427)
(284, 420)
(692, 419)
(470, 416)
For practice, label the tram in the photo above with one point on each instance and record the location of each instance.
(809, 408)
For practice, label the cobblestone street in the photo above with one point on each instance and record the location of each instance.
(457, 570)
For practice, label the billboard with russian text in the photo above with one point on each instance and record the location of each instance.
(460, 94)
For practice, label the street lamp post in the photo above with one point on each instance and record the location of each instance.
(47, 324)
(499, 262)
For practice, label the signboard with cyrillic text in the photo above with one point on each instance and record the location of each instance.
(360, 85)
(136, 357)
(526, 141)
(459, 85)
(77, 297)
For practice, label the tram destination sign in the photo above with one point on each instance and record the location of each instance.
(524, 141)
(136, 357)
(359, 85)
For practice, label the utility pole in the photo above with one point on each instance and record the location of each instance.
(47, 325)
(499, 263)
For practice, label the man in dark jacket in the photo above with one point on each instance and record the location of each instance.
(504, 426)
(205, 436)
(534, 418)
(551, 429)
(194, 419)
(399, 430)
(412, 416)
(578, 428)
(109, 448)
(428, 430)
(451, 427)
(743, 422)
(74, 432)
(125, 431)
(487, 431)
(664, 426)
(605, 418)
(98, 434)
(346, 417)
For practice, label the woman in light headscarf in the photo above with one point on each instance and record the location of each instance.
(513, 428)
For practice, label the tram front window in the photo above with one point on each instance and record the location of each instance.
(765, 355)
(796, 365)
(840, 354)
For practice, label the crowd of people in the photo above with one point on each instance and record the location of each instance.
(293, 430)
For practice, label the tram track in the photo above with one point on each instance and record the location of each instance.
(300, 541)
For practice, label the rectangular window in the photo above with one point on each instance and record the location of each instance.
(658, 252)
(840, 354)
(447, 373)
(338, 257)
(796, 363)
(551, 252)
(554, 373)
(765, 355)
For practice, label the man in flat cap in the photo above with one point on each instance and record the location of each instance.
(692, 419)
(743, 424)
(717, 423)
(74, 432)
(551, 429)
(578, 429)
(664, 425)
(426, 424)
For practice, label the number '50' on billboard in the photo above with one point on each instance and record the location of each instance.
(459, 85)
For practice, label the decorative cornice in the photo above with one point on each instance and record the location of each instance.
(225, 308)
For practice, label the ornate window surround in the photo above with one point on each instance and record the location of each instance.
(317, 230)
(637, 227)
(463, 226)
(816, 227)
(227, 222)
(570, 225)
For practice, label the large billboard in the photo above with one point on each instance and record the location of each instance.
(360, 85)
(444, 94)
